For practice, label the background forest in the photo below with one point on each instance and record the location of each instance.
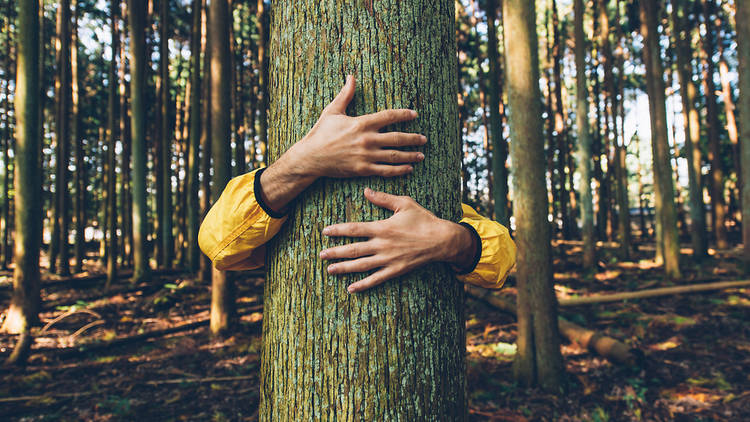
(122, 121)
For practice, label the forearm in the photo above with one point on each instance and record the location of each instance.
(284, 180)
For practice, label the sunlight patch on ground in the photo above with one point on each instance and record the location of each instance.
(499, 350)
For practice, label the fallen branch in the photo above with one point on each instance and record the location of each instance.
(599, 343)
(662, 291)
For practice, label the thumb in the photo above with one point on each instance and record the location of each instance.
(384, 200)
(338, 105)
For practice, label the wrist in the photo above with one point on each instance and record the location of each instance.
(463, 249)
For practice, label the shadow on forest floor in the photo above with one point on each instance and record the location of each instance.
(697, 350)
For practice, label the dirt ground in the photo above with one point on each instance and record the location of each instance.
(696, 350)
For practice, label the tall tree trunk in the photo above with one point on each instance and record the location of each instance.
(5, 138)
(560, 131)
(715, 157)
(263, 33)
(113, 126)
(165, 226)
(137, 23)
(206, 267)
(584, 142)
(193, 205)
(222, 291)
(743, 57)
(385, 354)
(80, 174)
(25, 302)
(663, 184)
(240, 166)
(688, 93)
(538, 361)
(499, 146)
(126, 197)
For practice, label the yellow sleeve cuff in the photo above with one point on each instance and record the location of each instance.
(237, 225)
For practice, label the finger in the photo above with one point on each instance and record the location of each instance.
(388, 117)
(352, 250)
(350, 230)
(394, 156)
(373, 280)
(342, 100)
(399, 139)
(385, 200)
(357, 266)
(385, 170)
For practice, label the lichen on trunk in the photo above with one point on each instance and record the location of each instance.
(395, 352)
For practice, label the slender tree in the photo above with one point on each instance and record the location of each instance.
(205, 166)
(222, 292)
(666, 212)
(25, 301)
(137, 23)
(5, 138)
(400, 357)
(560, 132)
(538, 361)
(112, 132)
(263, 29)
(165, 224)
(583, 155)
(688, 93)
(77, 135)
(194, 134)
(743, 57)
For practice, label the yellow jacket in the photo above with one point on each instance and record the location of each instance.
(236, 228)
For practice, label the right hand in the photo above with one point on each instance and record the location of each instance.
(342, 146)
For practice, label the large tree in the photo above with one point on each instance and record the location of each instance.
(538, 361)
(24, 305)
(137, 23)
(664, 197)
(396, 352)
(222, 294)
(583, 155)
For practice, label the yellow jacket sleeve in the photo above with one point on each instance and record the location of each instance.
(497, 254)
(238, 225)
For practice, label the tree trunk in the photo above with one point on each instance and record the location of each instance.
(193, 206)
(743, 57)
(113, 126)
(396, 352)
(206, 267)
(165, 225)
(538, 361)
(5, 138)
(137, 23)
(692, 130)
(559, 128)
(80, 174)
(25, 302)
(584, 143)
(263, 32)
(663, 184)
(499, 146)
(222, 298)
(715, 157)
(126, 198)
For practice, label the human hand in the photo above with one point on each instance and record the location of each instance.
(342, 146)
(410, 238)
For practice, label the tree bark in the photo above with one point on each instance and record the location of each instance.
(743, 57)
(559, 120)
(222, 298)
(112, 134)
(205, 141)
(25, 302)
(396, 352)
(5, 138)
(663, 186)
(137, 23)
(538, 361)
(263, 34)
(692, 130)
(193, 205)
(80, 174)
(583, 154)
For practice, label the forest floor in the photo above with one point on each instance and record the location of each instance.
(696, 348)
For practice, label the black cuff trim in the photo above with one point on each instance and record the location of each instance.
(477, 253)
(259, 197)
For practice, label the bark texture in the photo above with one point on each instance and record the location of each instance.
(743, 106)
(395, 352)
(538, 361)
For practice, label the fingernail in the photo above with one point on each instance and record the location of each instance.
(326, 231)
(368, 191)
(424, 139)
(414, 113)
(350, 289)
(323, 254)
(420, 156)
(331, 269)
(411, 169)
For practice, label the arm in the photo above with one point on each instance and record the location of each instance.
(479, 248)
(252, 207)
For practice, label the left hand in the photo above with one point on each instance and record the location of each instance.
(410, 238)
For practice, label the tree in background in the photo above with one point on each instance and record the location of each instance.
(538, 361)
(222, 291)
(112, 131)
(25, 302)
(137, 22)
(416, 320)
(664, 197)
(193, 206)
(586, 201)
(743, 56)
(165, 218)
